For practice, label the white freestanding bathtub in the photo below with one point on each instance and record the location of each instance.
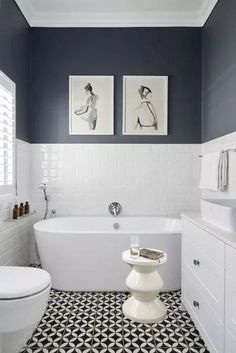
(85, 253)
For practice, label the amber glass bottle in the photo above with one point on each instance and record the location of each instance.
(15, 212)
(27, 208)
(21, 209)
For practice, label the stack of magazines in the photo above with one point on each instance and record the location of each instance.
(151, 254)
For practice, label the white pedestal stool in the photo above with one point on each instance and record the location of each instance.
(145, 283)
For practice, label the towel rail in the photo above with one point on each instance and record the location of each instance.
(226, 150)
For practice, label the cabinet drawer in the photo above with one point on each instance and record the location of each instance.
(230, 343)
(230, 260)
(209, 326)
(206, 242)
(230, 304)
(208, 275)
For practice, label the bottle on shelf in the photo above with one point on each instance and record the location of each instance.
(21, 209)
(27, 207)
(15, 212)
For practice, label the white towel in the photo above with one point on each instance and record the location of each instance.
(214, 172)
(223, 171)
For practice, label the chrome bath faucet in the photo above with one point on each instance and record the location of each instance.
(114, 209)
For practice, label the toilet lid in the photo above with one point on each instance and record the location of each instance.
(19, 282)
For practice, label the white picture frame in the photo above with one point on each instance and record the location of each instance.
(91, 105)
(145, 105)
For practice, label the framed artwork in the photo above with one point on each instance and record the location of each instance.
(145, 105)
(91, 105)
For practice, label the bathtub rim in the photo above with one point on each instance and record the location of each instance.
(177, 228)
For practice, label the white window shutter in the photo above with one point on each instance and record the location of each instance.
(7, 135)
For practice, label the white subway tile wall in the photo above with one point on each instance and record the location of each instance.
(15, 242)
(83, 179)
(147, 179)
(218, 144)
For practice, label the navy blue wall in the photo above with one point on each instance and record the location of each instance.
(219, 71)
(176, 52)
(57, 53)
(14, 59)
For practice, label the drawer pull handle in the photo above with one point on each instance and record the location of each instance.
(196, 262)
(196, 304)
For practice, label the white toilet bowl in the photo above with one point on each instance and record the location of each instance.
(24, 293)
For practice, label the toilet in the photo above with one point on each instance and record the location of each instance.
(24, 292)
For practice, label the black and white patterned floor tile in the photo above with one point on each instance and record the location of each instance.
(89, 322)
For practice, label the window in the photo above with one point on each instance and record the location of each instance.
(7, 135)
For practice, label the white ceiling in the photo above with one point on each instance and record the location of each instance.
(116, 13)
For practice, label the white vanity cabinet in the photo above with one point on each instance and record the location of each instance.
(230, 299)
(209, 286)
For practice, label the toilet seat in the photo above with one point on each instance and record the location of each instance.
(20, 282)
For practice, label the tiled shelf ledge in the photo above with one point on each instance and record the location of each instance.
(11, 223)
(15, 241)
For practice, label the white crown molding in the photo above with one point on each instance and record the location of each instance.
(121, 19)
(27, 10)
(118, 19)
(206, 10)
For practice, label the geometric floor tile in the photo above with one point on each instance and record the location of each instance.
(93, 322)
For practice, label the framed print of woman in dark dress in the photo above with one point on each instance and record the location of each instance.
(145, 105)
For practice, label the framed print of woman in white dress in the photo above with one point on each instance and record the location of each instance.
(145, 105)
(91, 105)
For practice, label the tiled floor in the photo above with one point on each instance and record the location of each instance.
(93, 322)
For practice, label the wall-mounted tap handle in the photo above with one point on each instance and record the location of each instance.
(196, 262)
(196, 304)
(114, 209)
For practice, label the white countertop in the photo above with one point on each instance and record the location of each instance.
(227, 237)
